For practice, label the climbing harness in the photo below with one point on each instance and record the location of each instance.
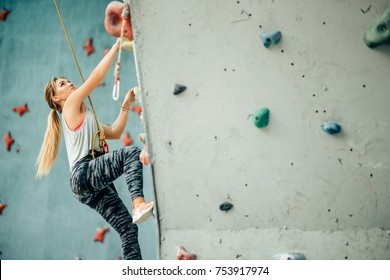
(102, 142)
(125, 14)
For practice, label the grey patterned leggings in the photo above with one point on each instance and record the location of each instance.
(91, 182)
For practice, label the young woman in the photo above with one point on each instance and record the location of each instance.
(91, 179)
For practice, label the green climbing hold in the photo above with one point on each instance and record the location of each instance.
(261, 117)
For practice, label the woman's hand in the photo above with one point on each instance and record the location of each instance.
(130, 98)
(117, 44)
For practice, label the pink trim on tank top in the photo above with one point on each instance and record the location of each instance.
(79, 125)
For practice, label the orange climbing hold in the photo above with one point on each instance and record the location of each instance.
(2, 206)
(21, 109)
(88, 46)
(137, 109)
(8, 141)
(100, 234)
(114, 22)
(182, 254)
(3, 14)
(127, 141)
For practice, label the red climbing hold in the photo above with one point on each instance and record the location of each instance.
(137, 109)
(21, 109)
(2, 206)
(8, 141)
(182, 254)
(100, 234)
(127, 141)
(88, 46)
(3, 14)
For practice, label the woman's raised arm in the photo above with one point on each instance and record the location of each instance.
(74, 101)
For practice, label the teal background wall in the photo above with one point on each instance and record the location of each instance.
(42, 220)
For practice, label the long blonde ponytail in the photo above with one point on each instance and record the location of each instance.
(51, 141)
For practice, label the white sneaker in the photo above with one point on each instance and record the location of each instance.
(142, 212)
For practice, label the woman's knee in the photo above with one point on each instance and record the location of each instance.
(132, 151)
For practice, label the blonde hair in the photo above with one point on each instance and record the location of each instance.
(51, 141)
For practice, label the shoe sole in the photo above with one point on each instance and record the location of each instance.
(145, 216)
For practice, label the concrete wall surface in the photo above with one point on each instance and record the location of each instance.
(293, 187)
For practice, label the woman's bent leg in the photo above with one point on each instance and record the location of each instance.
(105, 169)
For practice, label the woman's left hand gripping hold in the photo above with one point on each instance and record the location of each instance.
(129, 98)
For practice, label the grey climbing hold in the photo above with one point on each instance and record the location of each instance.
(179, 89)
(289, 256)
(226, 206)
(270, 38)
(331, 128)
(379, 33)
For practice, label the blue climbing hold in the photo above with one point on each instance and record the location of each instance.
(270, 38)
(226, 206)
(261, 117)
(331, 128)
(179, 89)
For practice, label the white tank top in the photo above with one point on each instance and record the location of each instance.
(78, 143)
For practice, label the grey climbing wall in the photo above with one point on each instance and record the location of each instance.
(42, 220)
(293, 187)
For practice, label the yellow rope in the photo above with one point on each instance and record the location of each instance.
(100, 131)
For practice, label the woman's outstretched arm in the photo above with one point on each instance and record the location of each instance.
(72, 105)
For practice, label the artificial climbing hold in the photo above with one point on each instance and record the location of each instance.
(137, 109)
(142, 138)
(144, 156)
(331, 128)
(21, 109)
(127, 141)
(289, 256)
(270, 38)
(114, 20)
(3, 14)
(88, 46)
(8, 141)
(2, 206)
(226, 206)
(179, 89)
(261, 117)
(182, 254)
(127, 44)
(99, 237)
(379, 33)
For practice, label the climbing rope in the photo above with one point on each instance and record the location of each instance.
(125, 14)
(102, 142)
